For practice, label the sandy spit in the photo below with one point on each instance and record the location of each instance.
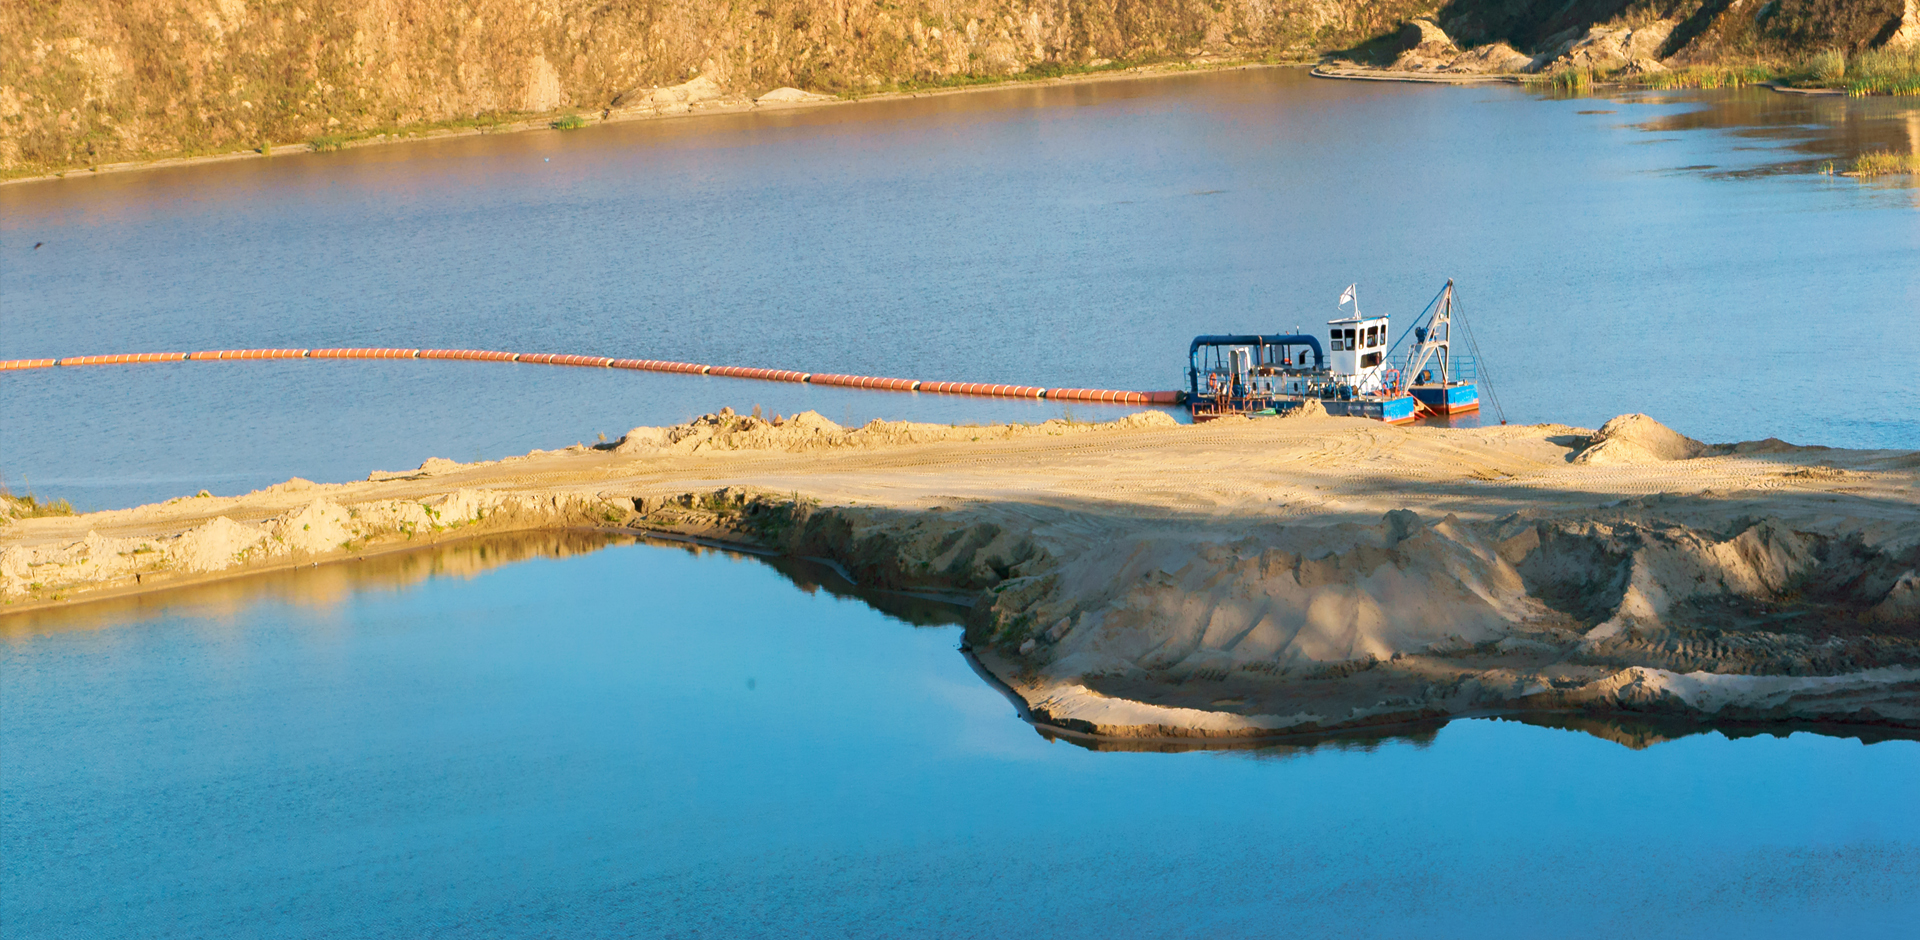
(1143, 579)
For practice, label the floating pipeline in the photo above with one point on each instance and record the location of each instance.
(872, 382)
(248, 354)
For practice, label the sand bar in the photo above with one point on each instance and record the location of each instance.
(1233, 580)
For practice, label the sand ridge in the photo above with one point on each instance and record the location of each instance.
(1277, 575)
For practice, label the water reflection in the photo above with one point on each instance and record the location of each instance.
(330, 586)
(317, 587)
(1360, 740)
(1814, 133)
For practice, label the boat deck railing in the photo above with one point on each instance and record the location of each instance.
(1462, 368)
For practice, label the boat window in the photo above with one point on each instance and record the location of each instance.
(1369, 360)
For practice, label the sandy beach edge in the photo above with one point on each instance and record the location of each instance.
(1485, 571)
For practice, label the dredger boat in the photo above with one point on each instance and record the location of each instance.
(1356, 373)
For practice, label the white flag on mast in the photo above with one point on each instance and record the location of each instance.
(1347, 296)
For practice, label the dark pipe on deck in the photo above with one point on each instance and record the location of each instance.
(1280, 339)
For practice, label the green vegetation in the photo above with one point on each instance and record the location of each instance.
(1708, 76)
(327, 143)
(1870, 72)
(29, 506)
(1828, 67)
(1575, 80)
(1885, 163)
(571, 122)
(1884, 72)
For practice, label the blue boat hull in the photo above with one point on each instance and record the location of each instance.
(1448, 400)
(1391, 410)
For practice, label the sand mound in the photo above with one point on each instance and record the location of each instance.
(1902, 603)
(786, 94)
(809, 431)
(1637, 438)
(1498, 57)
(1311, 408)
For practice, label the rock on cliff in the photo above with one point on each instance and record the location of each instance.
(91, 81)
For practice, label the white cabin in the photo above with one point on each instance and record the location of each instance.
(1357, 352)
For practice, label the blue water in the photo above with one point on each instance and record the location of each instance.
(1640, 253)
(645, 742)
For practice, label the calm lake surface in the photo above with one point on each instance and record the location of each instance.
(575, 736)
(644, 741)
(1673, 253)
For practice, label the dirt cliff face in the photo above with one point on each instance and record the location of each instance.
(92, 81)
(1706, 30)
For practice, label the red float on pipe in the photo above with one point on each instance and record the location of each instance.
(247, 354)
(360, 352)
(107, 360)
(864, 381)
(8, 365)
(660, 365)
(479, 355)
(1104, 395)
(563, 359)
(764, 375)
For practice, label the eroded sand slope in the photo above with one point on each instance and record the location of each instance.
(1144, 578)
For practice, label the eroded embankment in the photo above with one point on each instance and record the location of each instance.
(1318, 574)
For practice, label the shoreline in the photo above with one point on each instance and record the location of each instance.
(729, 105)
(735, 105)
(1361, 73)
(1324, 576)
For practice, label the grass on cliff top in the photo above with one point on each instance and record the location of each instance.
(29, 506)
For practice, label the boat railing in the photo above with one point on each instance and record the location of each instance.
(1462, 368)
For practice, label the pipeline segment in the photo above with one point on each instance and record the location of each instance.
(660, 365)
(764, 375)
(878, 383)
(478, 355)
(251, 354)
(113, 360)
(363, 353)
(865, 381)
(984, 389)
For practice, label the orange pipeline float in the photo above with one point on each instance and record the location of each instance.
(871, 382)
